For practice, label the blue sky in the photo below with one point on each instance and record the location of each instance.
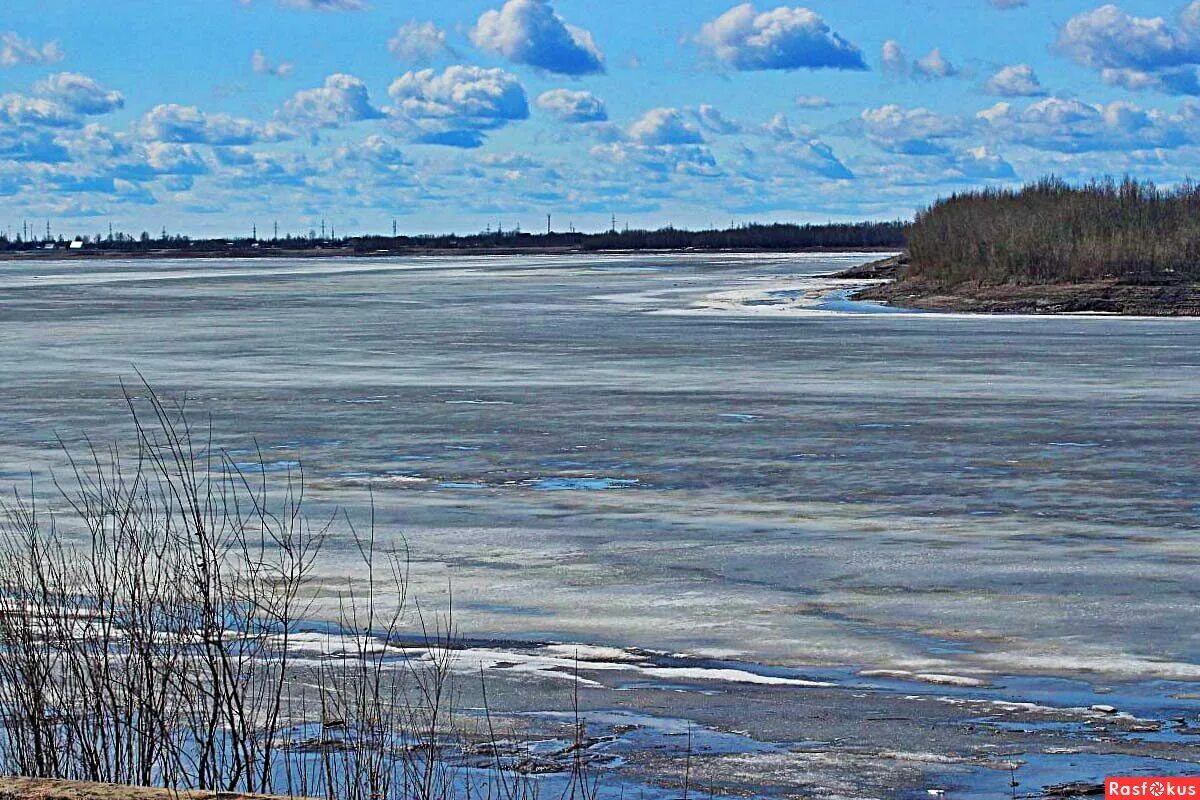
(208, 116)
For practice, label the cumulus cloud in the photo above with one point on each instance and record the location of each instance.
(665, 126)
(168, 158)
(342, 99)
(374, 149)
(785, 39)
(180, 124)
(934, 65)
(917, 131)
(816, 157)
(813, 101)
(15, 51)
(79, 93)
(1015, 80)
(263, 66)
(29, 145)
(418, 42)
(39, 112)
(980, 163)
(713, 121)
(660, 161)
(453, 106)
(931, 66)
(780, 128)
(530, 32)
(325, 5)
(1072, 126)
(1136, 52)
(892, 56)
(966, 166)
(570, 106)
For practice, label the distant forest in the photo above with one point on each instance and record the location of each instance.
(1051, 232)
(744, 237)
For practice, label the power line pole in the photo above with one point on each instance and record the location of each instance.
(547, 224)
(393, 227)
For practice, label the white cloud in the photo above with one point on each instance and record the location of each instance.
(15, 50)
(180, 124)
(1015, 80)
(893, 58)
(342, 99)
(572, 106)
(325, 5)
(659, 161)
(813, 101)
(1136, 52)
(934, 65)
(529, 32)
(917, 131)
(714, 121)
(18, 109)
(785, 38)
(79, 93)
(780, 128)
(665, 126)
(263, 66)
(168, 158)
(418, 42)
(1072, 126)
(816, 157)
(453, 106)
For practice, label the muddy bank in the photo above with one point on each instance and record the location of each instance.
(1095, 298)
(1098, 297)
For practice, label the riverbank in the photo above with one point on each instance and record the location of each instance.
(270, 253)
(1111, 296)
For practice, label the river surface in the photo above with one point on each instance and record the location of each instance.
(713, 458)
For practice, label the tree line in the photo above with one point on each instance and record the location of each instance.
(743, 237)
(1052, 232)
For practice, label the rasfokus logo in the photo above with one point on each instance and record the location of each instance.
(1151, 787)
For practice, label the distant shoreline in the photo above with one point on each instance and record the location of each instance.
(1109, 296)
(267, 253)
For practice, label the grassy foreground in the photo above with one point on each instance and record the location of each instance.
(48, 789)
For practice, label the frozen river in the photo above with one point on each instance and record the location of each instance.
(690, 454)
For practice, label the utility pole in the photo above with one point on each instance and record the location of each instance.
(613, 229)
(254, 233)
(48, 239)
(393, 227)
(322, 227)
(547, 224)
(276, 231)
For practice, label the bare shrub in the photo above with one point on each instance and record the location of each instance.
(149, 627)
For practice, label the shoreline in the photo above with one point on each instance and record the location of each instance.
(268, 253)
(1108, 297)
